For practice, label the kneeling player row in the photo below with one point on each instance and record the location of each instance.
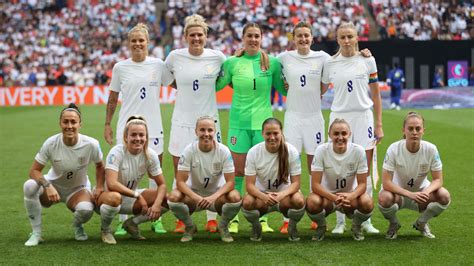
(205, 180)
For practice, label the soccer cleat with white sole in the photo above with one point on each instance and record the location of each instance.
(132, 229)
(224, 233)
(424, 229)
(108, 238)
(368, 227)
(320, 233)
(339, 229)
(293, 231)
(392, 230)
(79, 233)
(189, 233)
(357, 233)
(34, 240)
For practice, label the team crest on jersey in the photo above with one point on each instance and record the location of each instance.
(233, 140)
(351, 167)
(142, 169)
(153, 78)
(82, 160)
(423, 167)
(209, 72)
(217, 167)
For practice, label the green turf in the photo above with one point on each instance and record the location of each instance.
(23, 130)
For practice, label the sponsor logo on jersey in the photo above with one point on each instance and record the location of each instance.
(233, 140)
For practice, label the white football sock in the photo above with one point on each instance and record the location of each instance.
(32, 191)
(181, 211)
(319, 218)
(390, 213)
(251, 215)
(211, 215)
(229, 211)
(83, 212)
(107, 214)
(432, 210)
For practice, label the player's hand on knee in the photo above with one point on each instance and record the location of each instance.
(421, 197)
(154, 212)
(204, 203)
(53, 194)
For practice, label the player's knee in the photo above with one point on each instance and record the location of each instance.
(386, 199)
(366, 204)
(175, 196)
(443, 195)
(313, 203)
(31, 189)
(112, 199)
(297, 201)
(248, 203)
(84, 211)
(234, 196)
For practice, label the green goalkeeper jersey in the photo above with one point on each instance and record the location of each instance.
(252, 89)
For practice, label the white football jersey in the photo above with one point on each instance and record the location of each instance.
(196, 84)
(140, 85)
(339, 170)
(410, 170)
(131, 168)
(206, 169)
(350, 78)
(303, 75)
(69, 163)
(264, 165)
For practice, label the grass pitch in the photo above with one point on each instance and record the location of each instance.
(23, 130)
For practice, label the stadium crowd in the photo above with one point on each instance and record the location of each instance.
(67, 44)
(423, 20)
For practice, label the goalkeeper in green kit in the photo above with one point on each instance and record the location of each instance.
(252, 74)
